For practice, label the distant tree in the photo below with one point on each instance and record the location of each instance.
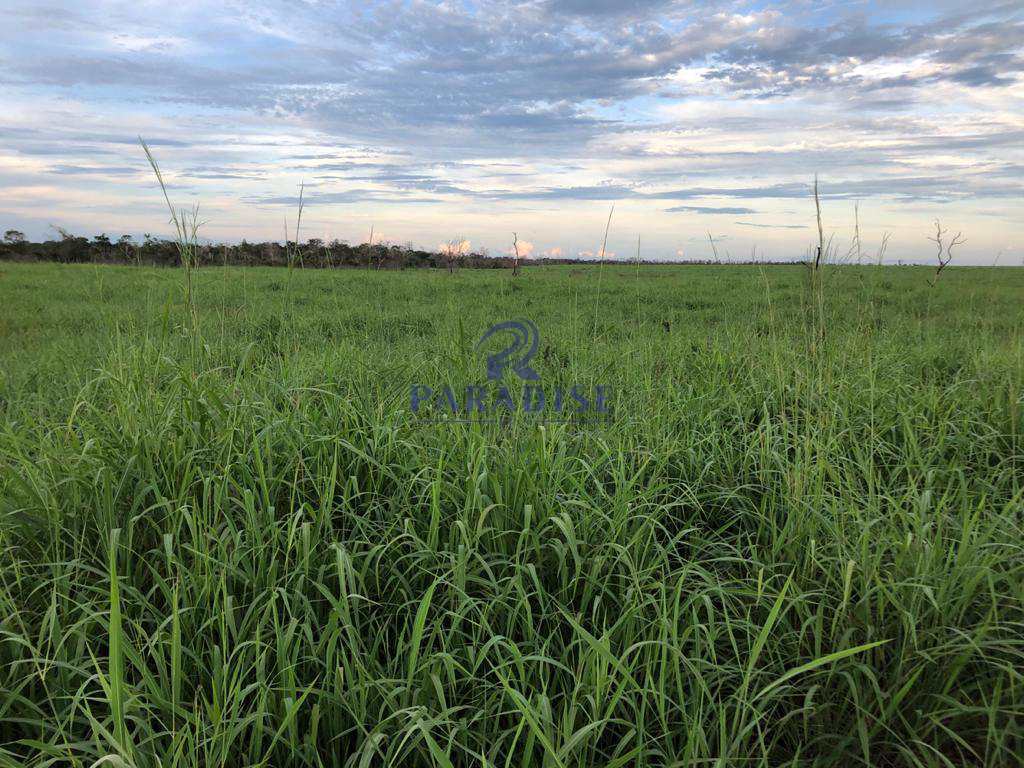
(14, 242)
(515, 250)
(124, 245)
(380, 253)
(453, 252)
(71, 249)
(100, 247)
(316, 248)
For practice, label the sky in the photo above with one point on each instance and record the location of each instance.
(430, 121)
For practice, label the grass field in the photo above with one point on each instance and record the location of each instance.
(796, 540)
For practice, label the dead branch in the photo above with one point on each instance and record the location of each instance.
(943, 248)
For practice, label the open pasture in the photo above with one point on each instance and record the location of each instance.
(795, 540)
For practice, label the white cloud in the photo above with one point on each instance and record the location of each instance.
(707, 110)
(524, 247)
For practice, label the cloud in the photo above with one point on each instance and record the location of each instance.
(524, 247)
(595, 192)
(943, 188)
(343, 197)
(708, 209)
(604, 7)
(103, 170)
(852, 54)
(546, 111)
(770, 226)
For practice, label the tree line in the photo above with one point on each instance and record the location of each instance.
(313, 253)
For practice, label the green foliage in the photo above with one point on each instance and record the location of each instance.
(312, 254)
(798, 541)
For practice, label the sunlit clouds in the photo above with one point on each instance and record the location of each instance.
(438, 121)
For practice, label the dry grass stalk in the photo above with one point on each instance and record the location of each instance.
(821, 232)
(186, 228)
(714, 248)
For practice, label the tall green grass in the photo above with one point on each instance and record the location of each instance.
(798, 541)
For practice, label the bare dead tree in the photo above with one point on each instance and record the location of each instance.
(939, 241)
(515, 260)
(453, 251)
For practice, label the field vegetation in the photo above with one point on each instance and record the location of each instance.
(226, 540)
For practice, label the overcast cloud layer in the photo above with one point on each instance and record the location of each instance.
(433, 120)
